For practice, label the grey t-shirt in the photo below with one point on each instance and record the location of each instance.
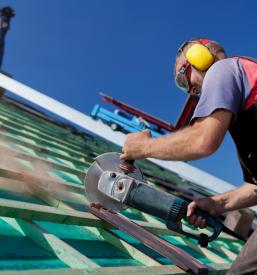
(225, 86)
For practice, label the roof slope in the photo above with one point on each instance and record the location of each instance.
(44, 222)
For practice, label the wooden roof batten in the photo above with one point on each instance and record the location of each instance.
(98, 128)
(27, 217)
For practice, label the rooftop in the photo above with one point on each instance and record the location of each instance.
(45, 224)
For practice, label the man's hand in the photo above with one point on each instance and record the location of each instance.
(242, 197)
(207, 204)
(136, 145)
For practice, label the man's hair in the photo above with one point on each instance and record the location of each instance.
(215, 48)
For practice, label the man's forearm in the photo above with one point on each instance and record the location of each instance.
(183, 145)
(242, 197)
(194, 142)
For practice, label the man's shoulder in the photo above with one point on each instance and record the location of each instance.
(222, 88)
(225, 64)
(222, 70)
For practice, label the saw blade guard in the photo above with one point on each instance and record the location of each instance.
(106, 162)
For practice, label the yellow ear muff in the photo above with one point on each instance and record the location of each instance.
(200, 57)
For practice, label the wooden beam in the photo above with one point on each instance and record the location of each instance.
(28, 177)
(67, 271)
(205, 251)
(38, 160)
(32, 211)
(79, 153)
(124, 246)
(12, 140)
(29, 123)
(51, 243)
(79, 218)
(223, 250)
(164, 248)
(165, 269)
(101, 233)
(13, 121)
(171, 270)
(216, 269)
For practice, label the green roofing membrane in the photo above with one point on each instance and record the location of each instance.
(91, 245)
(42, 181)
(18, 252)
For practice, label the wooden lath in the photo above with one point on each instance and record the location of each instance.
(39, 180)
(47, 197)
(8, 118)
(63, 213)
(108, 235)
(40, 141)
(34, 159)
(204, 251)
(100, 232)
(37, 127)
(33, 211)
(85, 160)
(51, 243)
(215, 269)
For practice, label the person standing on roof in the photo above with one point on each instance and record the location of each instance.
(228, 102)
(6, 14)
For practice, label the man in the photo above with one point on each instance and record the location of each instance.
(228, 88)
(6, 14)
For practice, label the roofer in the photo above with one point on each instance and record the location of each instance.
(6, 14)
(228, 102)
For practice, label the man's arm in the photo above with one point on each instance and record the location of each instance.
(194, 142)
(242, 197)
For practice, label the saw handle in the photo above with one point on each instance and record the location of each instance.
(211, 222)
(129, 161)
(171, 209)
(127, 166)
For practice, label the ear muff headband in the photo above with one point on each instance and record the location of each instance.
(199, 56)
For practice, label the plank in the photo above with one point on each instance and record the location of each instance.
(39, 141)
(31, 126)
(51, 243)
(164, 248)
(34, 126)
(216, 269)
(32, 211)
(43, 149)
(28, 177)
(101, 233)
(41, 161)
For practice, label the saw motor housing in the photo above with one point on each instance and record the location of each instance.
(107, 184)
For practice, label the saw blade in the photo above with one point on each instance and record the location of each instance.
(106, 162)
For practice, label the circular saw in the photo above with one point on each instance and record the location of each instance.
(109, 163)
(115, 184)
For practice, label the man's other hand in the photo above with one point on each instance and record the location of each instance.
(136, 145)
(207, 204)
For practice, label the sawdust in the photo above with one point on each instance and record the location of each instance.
(33, 182)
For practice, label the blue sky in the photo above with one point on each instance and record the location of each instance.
(72, 50)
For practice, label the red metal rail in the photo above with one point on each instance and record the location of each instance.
(183, 120)
(130, 109)
(187, 111)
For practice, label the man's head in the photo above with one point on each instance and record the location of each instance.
(193, 59)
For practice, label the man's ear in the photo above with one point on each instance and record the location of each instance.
(194, 91)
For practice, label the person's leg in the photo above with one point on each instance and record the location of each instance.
(246, 261)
